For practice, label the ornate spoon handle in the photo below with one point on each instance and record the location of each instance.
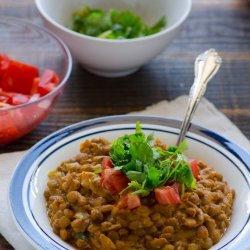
(206, 66)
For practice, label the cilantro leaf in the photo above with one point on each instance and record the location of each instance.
(183, 174)
(120, 151)
(113, 24)
(158, 26)
(182, 147)
(81, 236)
(137, 188)
(153, 176)
(136, 176)
(147, 166)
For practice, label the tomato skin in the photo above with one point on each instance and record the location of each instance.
(177, 187)
(106, 163)
(4, 97)
(194, 167)
(129, 201)
(49, 75)
(119, 181)
(105, 179)
(45, 89)
(17, 76)
(167, 195)
(4, 62)
(19, 85)
(35, 83)
(4, 105)
(47, 82)
(133, 201)
(34, 97)
(19, 82)
(13, 98)
(19, 99)
(107, 171)
(114, 180)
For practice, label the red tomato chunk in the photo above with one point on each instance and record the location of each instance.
(194, 167)
(129, 201)
(20, 82)
(106, 163)
(112, 180)
(46, 83)
(167, 195)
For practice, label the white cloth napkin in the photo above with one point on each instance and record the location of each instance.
(206, 115)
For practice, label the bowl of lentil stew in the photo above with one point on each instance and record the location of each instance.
(134, 225)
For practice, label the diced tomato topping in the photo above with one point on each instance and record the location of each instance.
(133, 201)
(113, 180)
(119, 181)
(105, 179)
(123, 202)
(106, 163)
(167, 195)
(194, 167)
(177, 187)
(129, 201)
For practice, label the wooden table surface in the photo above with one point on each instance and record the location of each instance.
(220, 24)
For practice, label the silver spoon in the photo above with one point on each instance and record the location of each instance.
(206, 66)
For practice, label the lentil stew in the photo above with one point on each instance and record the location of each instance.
(88, 216)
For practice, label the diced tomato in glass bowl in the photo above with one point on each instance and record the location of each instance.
(34, 68)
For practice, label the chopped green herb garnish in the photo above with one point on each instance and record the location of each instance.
(113, 24)
(148, 166)
(81, 236)
(98, 170)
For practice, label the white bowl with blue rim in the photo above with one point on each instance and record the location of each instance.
(29, 180)
(115, 58)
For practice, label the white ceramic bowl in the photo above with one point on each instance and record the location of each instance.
(115, 57)
(28, 183)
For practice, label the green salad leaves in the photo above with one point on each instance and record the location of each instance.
(148, 166)
(113, 24)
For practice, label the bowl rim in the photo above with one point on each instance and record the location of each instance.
(65, 49)
(42, 146)
(115, 41)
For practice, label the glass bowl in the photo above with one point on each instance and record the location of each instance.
(28, 43)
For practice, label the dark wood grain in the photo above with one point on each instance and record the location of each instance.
(222, 24)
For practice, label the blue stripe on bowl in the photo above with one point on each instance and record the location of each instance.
(16, 201)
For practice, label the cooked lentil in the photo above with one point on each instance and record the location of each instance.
(84, 214)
